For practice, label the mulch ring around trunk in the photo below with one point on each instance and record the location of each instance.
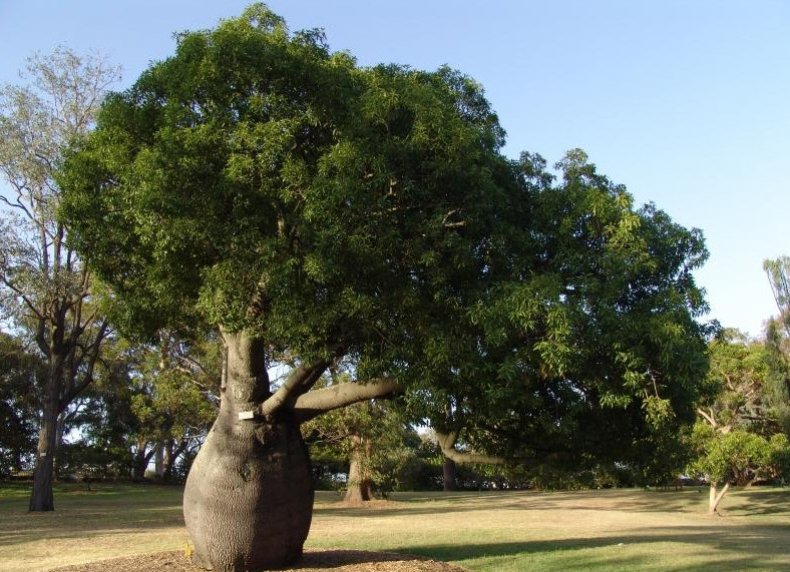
(313, 561)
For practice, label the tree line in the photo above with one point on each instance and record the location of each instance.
(262, 243)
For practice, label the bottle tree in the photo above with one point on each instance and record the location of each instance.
(318, 214)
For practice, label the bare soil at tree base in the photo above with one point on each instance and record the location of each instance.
(313, 561)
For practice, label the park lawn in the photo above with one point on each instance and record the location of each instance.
(492, 531)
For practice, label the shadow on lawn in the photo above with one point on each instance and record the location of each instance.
(733, 549)
(690, 500)
(106, 510)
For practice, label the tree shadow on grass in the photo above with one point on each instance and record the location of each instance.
(720, 548)
(328, 559)
(689, 500)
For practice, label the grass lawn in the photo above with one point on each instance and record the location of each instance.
(493, 531)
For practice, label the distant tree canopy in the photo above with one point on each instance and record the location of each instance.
(317, 213)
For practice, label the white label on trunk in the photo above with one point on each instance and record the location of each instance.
(246, 415)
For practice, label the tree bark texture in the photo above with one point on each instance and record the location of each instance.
(42, 498)
(360, 485)
(715, 497)
(449, 479)
(447, 441)
(249, 494)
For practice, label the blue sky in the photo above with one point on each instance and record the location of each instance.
(687, 103)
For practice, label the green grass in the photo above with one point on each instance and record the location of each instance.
(507, 532)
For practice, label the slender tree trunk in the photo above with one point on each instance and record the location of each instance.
(249, 494)
(171, 456)
(360, 486)
(449, 479)
(715, 497)
(140, 459)
(42, 499)
(138, 462)
(159, 461)
(59, 431)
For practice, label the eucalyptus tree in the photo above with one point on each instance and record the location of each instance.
(319, 214)
(778, 272)
(43, 284)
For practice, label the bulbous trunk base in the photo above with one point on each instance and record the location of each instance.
(248, 499)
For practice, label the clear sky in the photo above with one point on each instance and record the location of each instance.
(686, 102)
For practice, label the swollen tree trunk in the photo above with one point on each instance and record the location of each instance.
(249, 494)
(449, 479)
(360, 486)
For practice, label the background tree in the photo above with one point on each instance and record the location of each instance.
(149, 403)
(582, 347)
(318, 214)
(175, 394)
(373, 442)
(739, 438)
(21, 378)
(778, 272)
(43, 282)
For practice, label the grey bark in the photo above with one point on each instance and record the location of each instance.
(159, 461)
(447, 442)
(360, 485)
(313, 404)
(449, 478)
(42, 498)
(715, 497)
(248, 497)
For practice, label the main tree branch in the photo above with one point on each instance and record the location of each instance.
(320, 401)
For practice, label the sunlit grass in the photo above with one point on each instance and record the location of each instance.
(590, 530)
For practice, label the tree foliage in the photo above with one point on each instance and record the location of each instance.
(740, 434)
(583, 342)
(21, 376)
(778, 273)
(371, 442)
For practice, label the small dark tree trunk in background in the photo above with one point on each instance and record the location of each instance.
(449, 479)
(171, 456)
(248, 499)
(141, 459)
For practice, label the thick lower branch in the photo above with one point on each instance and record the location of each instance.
(315, 403)
(299, 378)
(447, 442)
